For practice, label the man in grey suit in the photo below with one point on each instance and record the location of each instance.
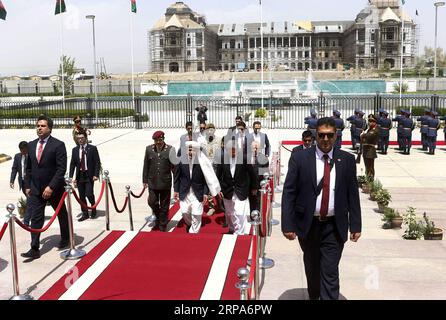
(261, 139)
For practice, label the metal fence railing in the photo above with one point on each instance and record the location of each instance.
(173, 112)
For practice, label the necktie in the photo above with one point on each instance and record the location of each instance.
(40, 151)
(325, 188)
(83, 159)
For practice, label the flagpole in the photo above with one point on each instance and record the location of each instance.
(261, 49)
(402, 53)
(133, 60)
(62, 56)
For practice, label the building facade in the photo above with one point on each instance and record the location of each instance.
(181, 41)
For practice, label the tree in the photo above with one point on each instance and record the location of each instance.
(428, 57)
(69, 71)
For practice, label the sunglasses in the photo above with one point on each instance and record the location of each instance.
(322, 135)
(77, 121)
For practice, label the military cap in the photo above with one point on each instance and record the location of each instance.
(361, 112)
(381, 110)
(158, 135)
(434, 113)
(313, 112)
(210, 126)
(385, 113)
(336, 113)
(372, 117)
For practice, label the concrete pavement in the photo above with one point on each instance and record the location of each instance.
(380, 266)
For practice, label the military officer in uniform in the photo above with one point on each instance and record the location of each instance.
(408, 126)
(360, 127)
(352, 119)
(424, 128)
(339, 128)
(384, 127)
(399, 119)
(159, 164)
(433, 126)
(444, 130)
(311, 122)
(378, 125)
(369, 140)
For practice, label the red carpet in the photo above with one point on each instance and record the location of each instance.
(158, 266)
(59, 287)
(239, 260)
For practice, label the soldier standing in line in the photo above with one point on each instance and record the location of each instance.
(378, 126)
(399, 119)
(369, 140)
(311, 122)
(159, 164)
(352, 119)
(424, 128)
(339, 128)
(433, 126)
(444, 130)
(360, 127)
(408, 126)
(385, 125)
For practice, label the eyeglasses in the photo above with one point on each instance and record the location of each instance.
(322, 135)
(308, 140)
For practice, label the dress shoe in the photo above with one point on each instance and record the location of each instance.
(210, 212)
(63, 244)
(31, 254)
(162, 228)
(93, 214)
(84, 217)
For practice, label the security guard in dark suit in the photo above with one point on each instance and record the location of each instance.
(399, 119)
(311, 122)
(384, 127)
(424, 128)
(352, 119)
(433, 126)
(408, 126)
(339, 128)
(159, 164)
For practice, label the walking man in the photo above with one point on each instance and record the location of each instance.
(319, 206)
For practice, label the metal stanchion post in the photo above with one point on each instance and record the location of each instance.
(274, 204)
(256, 222)
(106, 178)
(243, 285)
(129, 196)
(272, 221)
(265, 263)
(277, 187)
(72, 253)
(15, 274)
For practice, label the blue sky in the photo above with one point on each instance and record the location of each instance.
(30, 37)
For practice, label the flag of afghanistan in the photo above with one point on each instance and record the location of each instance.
(133, 2)
(60, 7)
(2, 11)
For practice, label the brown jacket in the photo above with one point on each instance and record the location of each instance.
(369, 141)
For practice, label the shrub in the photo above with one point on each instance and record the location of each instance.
(414, 228)
(261, 113)
(383, 197)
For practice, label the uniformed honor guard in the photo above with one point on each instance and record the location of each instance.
(378, 125)
(424, 128)
(408, 126)
(433, 126)
(399, 119)
(352, 119)
(339, 128)
(444, 130)
(311, 122)
(369, 140)
(385, 125)
(159, 164)
(360, 127)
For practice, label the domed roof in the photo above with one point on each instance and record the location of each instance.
(178, 8)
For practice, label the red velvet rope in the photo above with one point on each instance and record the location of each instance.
(2, 232)
(84, 205)
(252, 272)
(140, 195)
(271, 186)
(114, 200)
(286, 148)
(61, 203)
(264, 214)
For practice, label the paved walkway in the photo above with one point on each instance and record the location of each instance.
(380, 266)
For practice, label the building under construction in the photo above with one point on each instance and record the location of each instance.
(381, 35)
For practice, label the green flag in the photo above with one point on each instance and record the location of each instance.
(133, 2)
(60, 7)
(2, 11)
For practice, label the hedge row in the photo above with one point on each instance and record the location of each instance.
(68, 113)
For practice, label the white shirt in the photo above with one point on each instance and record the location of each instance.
(320, 163)
(43, 146)
(23, 166)
(233, 163)
(80, 154)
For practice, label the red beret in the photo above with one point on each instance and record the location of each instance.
(157, 135)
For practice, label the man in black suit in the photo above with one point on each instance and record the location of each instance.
(307, 139)
(319, 205)
(237, 180)
(85, 159)
(191, 189)
(44, 182)
(19, 166)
